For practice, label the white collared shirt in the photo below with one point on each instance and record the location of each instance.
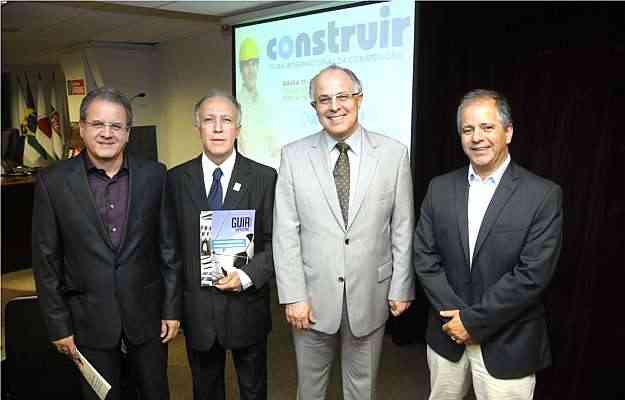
(481, 192)
(354, 154)
(226, 167)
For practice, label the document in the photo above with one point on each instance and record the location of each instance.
(226, 242)
(93, 377)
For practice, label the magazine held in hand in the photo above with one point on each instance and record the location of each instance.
(226, 243)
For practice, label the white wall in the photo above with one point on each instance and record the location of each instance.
(174, 75)
(131, 69)
(72, 64)
(188, 68)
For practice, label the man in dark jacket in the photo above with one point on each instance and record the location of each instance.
(103, 258)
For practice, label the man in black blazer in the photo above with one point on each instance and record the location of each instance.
(234, 314)
(486, 246)
(103, 261)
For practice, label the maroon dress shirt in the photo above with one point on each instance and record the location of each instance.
(111, 197)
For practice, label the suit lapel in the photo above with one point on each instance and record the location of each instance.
(461, 197)
(134, 190)
(506, 187)
(79, 186)
(241, 178)
(194, 183)
(368, 166)
(318, 156)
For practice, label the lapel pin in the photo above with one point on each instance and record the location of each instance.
(236, 187)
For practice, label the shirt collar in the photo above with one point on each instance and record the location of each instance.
(91, 168)
(354, 141)
(226, 167)
(495, 177)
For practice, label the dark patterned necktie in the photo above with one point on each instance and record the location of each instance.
(215, 194)
(341, 179)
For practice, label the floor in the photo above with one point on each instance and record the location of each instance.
(403, 370)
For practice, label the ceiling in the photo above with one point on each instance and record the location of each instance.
(39, 32)
(214, 8)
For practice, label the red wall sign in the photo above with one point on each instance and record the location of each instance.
(76, 87)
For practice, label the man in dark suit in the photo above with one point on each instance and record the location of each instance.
(105, 270)
(235, 313)
(486, 246)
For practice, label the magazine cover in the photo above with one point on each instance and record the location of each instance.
(226, 242)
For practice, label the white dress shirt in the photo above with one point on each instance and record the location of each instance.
(226, 168)
(354, 155)
(480, 194)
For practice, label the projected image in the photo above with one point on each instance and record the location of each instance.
(275, 61)
(259, 139)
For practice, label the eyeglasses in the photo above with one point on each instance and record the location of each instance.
(115, 127)
(340, 98)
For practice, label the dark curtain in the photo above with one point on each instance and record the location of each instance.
(562, 67)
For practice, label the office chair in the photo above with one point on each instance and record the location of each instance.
(33, 369)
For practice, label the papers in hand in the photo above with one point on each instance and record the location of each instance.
(226, 242)
(92, 376)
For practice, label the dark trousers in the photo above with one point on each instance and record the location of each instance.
(140, 373)
(208, 370)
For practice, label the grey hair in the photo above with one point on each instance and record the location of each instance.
(357, 86)
(213, 93)
(107, 94)
(504, 112)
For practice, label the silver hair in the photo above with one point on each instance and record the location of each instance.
(504, 112)
(356, 85)
(213, 93)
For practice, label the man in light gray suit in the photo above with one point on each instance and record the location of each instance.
(342, 239)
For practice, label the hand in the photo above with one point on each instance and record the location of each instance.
(67, 346)
(230, 282)
(299, 315)
(169, 329)
(398, 307)
(454, 328)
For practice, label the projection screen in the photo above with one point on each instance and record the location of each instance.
(274, 61)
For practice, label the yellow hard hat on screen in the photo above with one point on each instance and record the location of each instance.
(248, 50)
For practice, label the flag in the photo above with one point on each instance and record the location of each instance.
(55, 123)
(35, 155)
(44, 131)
